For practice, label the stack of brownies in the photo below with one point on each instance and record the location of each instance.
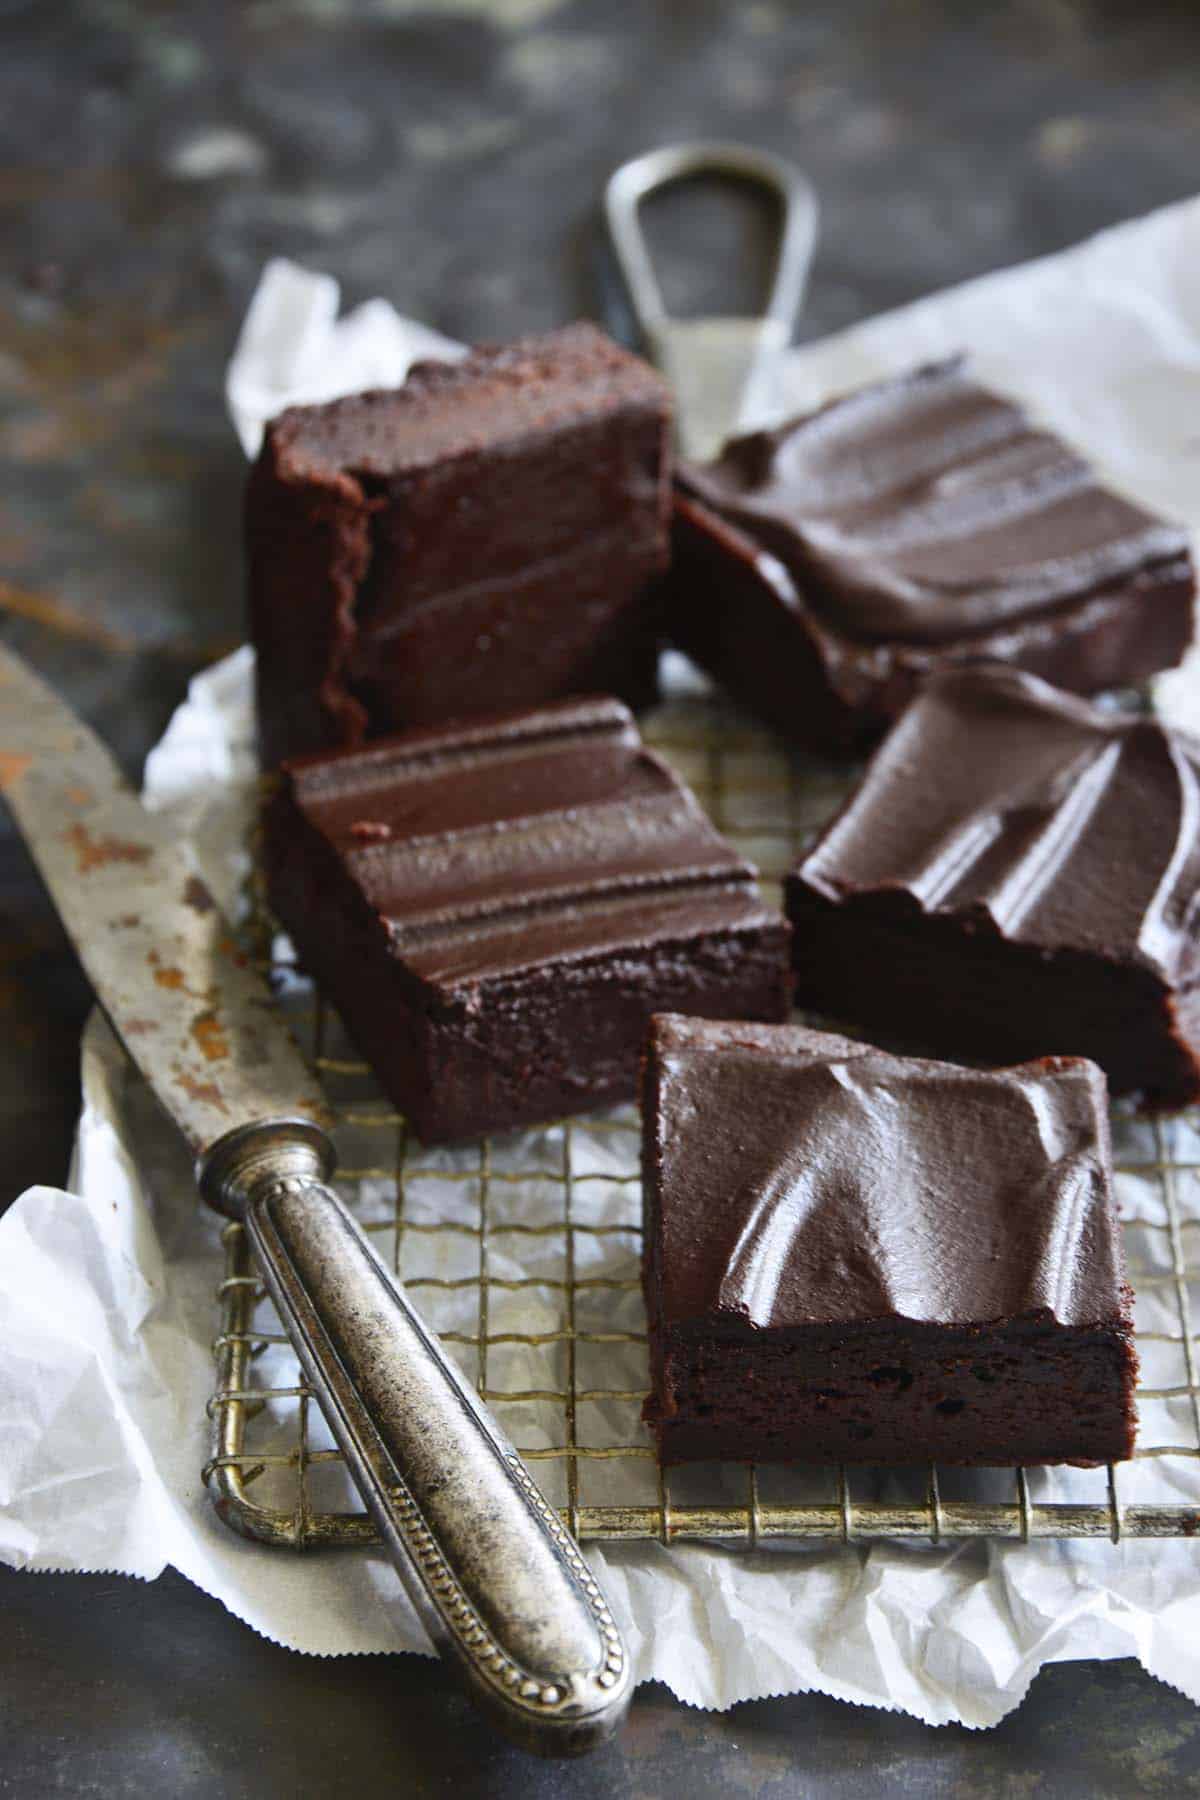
(458, 589)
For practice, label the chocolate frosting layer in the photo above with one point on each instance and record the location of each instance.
(926, 510)
(493, 846)
(1053, 822)
(806, 1179)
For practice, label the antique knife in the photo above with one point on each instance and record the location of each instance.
(498, 1582)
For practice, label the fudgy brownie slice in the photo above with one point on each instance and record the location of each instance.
(497, 908)
(823, 568)
(1018, 875)
(858, 1257)
(485, 536)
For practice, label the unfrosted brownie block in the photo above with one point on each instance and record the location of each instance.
(823, 568)
(1017, 875)
(485, 536)
(497, 908)
(858, 1257)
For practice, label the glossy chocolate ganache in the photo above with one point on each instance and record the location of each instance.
(1057, 823)
(496, 907)
(852, 1255)
(1018, 874)
(821, 571)
(832, 1181)
(927, 509)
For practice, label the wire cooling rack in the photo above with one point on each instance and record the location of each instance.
(524, 1254)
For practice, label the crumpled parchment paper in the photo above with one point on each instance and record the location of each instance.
(107, 1304)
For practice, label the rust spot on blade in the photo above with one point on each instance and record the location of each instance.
(126, 922)
(12, 767)
(98, 852)
(80, 795)
(318, 1112)
(197, 896)
(210, 1039)
(136, 1027)
(206, 1093)
(168, 977)
(370, 831)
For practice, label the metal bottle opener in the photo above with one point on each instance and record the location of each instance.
(710, 361)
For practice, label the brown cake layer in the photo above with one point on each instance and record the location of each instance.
(822, 569)
(485, 536)
(852, 1256)
(497, 908)
(1018, 875)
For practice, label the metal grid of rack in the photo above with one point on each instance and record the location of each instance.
(524, 1254)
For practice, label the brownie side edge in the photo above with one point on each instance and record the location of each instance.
(1022, 1392)
(307, 550)
(737, 612)
(561, 1039)
(650, 1095)
(345, 947)
(591, 626)
(946, 985)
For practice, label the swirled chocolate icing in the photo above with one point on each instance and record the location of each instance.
(830, 1181)
(1052, 822)
(926, 510)
(497, 845)
(496, 907)
(855, 1256)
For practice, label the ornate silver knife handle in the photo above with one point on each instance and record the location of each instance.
(497, 1580)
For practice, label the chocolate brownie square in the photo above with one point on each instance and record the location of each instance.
(1017, 875)
(486, 536)
(858, 1257)
(822, 569)
(497, 908)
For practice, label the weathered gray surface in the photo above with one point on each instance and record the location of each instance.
(449, 156)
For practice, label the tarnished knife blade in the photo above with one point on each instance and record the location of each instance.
(499, 1584)
(192, 1012)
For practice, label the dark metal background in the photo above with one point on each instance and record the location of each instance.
(151, 156)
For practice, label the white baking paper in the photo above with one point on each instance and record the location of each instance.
(107, 1305)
